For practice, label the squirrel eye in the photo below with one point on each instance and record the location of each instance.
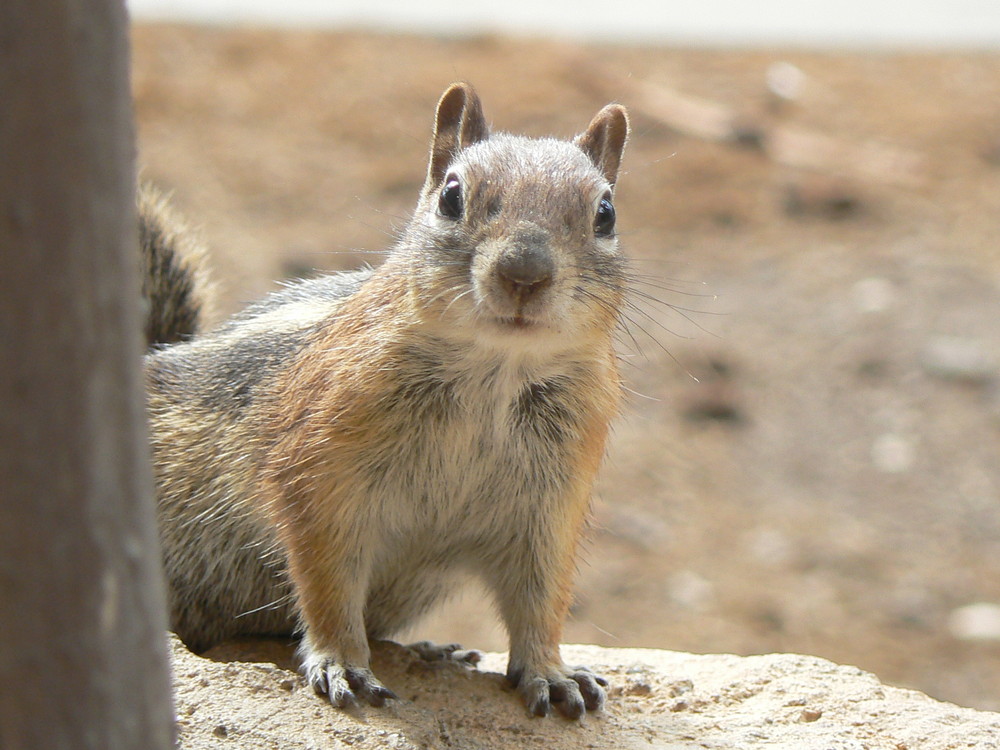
(604, 221)
(450, 200)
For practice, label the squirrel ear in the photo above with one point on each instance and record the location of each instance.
(604, 140)
(459, 123)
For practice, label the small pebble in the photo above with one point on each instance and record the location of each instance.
(957, 358)
(770, 547)
(638, 687)
(874, 294)
(975, 622)
(824, 198)
(991, 154)
(689, 590)
(785, 80)
(680, 687)
(893, 454)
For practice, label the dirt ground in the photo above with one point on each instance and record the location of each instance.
(810, 456)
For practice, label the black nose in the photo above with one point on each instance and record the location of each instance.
(525, 270)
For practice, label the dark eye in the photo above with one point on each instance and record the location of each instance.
(604, 221)
(450, 200)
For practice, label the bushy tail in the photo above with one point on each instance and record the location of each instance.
(175, 287)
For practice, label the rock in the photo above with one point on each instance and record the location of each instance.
(657, 699)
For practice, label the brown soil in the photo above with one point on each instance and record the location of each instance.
(795, 475)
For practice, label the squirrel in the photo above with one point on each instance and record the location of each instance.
(328, 458)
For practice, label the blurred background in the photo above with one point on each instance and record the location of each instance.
(809, 460)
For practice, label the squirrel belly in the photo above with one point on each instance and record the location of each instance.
(329, 459)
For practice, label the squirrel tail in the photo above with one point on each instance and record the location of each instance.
(175, 287)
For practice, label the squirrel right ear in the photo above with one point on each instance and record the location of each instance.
(604, 140)
(459, 123)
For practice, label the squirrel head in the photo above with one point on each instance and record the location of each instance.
(516, 236)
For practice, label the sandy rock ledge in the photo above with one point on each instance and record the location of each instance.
(246, 696)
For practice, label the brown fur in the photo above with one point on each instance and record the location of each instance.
(328, 459)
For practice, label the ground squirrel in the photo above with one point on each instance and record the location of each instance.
(327, 459)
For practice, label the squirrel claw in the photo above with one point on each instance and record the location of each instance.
(346, 687)
(573, 692)
(365, 685)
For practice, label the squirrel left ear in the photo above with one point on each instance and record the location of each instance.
(604, 140)
(458, 124)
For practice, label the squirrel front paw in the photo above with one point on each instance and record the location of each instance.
(344, 686)
(573, 690)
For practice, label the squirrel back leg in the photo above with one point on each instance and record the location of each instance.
(394, 604)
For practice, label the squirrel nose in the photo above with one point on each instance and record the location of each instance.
(524, 271)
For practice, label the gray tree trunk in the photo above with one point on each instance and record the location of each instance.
(82, 617)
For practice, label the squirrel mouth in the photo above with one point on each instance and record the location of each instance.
(517, 322)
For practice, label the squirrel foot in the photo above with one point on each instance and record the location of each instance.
(453, 652)
(346, 686)
(573, 690)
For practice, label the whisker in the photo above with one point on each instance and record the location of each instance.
(456, 299)
(665, 287)
(445, 292)
(641, 395)
(652, 319)
(270, 605)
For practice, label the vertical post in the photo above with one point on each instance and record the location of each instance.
(82, 616)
